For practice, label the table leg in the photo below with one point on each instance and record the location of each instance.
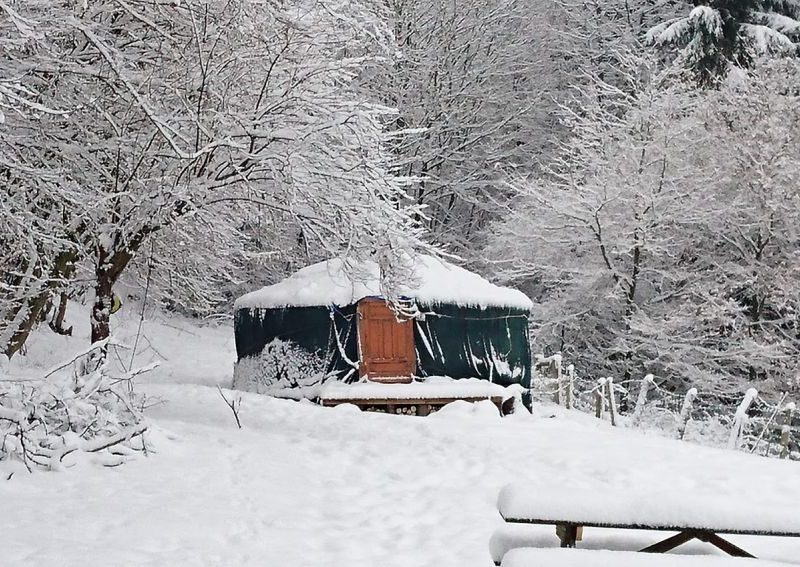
(670, 542)
(567, 533)
(722, 544)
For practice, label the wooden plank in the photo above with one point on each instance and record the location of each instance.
(550, 556)
(660, 528)
(497, 400)
(568, 534)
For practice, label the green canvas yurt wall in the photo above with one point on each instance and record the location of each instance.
(450, 340)
(468, 342)
(329, 332)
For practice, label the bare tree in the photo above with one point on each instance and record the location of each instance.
(184, 110)
(663, 240)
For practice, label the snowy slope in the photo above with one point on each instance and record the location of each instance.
(189, 351)
(302, 485)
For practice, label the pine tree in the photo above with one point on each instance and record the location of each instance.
(722, 35)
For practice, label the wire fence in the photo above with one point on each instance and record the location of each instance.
(755, 423)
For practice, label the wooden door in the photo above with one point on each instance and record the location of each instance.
(386, 345)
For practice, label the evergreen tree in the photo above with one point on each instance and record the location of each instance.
(723, 34)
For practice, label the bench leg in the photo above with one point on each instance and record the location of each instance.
(670, 542)
(567, 533)
(723, 544)
(702, 535)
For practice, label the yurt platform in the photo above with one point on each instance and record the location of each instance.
(421, 397)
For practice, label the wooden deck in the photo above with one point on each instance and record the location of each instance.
(412, 406)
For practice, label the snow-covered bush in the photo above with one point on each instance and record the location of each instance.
(80, 407)
(280, 365)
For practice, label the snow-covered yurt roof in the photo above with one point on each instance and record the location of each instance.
(331, 283)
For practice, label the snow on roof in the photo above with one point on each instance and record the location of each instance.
(330, 283)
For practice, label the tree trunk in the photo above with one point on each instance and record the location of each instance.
(35, 306)
(62, 268)
(630, 304)
(101, 310)
(58, 321)
(110, 266)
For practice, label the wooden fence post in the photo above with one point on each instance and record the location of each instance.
(548, 370)
(647, 381)
(740, 418)
(612, 400)
(786, 429)
(686, 411)
(599, 398)
(555, 373)
(535, 374)
(570, 386)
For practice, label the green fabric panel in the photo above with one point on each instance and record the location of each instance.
(460, 342)
(451, 341)
(310, 328)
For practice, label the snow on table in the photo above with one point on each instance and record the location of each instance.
(527, 557)
(433, 387)
(643, 505)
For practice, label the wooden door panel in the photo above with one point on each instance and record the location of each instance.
(386, 345)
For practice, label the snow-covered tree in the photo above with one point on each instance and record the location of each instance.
(585, 236)
(478, 84)
(722, 33)
(36, 250)
(747, 265)
(182, 111)
(586, 37)
(665, 239)
(469, 80)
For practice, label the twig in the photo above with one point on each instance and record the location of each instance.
(769, 422)
(144, 305)
(93, 347)
(97, 445)
(233, 404)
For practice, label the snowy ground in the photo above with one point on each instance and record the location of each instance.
(303, 485)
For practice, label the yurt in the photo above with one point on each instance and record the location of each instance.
(324, 324)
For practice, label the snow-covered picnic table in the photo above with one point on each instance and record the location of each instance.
(701, 516)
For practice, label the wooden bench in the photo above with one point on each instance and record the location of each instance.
(554, 557)
(699, 517)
